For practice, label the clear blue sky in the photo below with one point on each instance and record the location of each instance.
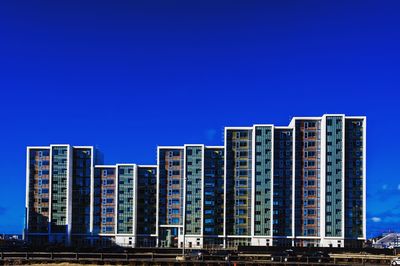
(130, 75)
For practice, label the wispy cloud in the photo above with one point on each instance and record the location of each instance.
(376, 219)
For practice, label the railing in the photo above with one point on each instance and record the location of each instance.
(175, 257)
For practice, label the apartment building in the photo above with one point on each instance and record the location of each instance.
(298, 185)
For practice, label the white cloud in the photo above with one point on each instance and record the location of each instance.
(376, 219)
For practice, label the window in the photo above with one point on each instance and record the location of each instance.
(242, 163)
(241, 192)
(174, 201)
(243, 153)
(243, 144)
(240, 231)
(240, 212)
(240, 220)
(241, 202)
(209, 202)
(209, 193)
(209, 221)
(241, 182)
(208, 230)
(310, 154)
(242, 134)
(209, 212)
(104, 172)
(242, 172)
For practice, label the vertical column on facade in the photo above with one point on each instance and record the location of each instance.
(28, 188)
(105, 203)
(69, 193)
(135, 205)
(170, 195)
(125, 215)
(60, 191)
(37, 208)
(238, 181)
(91, 226)
(292, 125)
(82, 168)
(146, 205)
(355, 176)
(193, 200)
(307, 183)
(213, 197)
(262, 184)
(158, 191)
(333, 180)
(364, 180)
(283, 186)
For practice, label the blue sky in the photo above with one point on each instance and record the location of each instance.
(130, 75)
